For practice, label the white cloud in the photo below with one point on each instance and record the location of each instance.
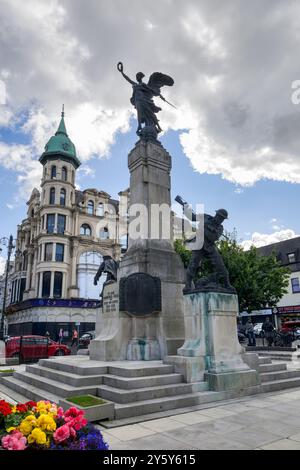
(262, 239)
(232, 79)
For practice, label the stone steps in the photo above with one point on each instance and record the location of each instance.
(12, 394)
(278, 375)
(276, 385)
(84, 368)
(69, 378)
(283, 355)
(271, 368)
(52, 386)
(89, 367)
(140, 371)
(30, 392)
(166, 403)
(264, 360)
(143, 394)
(127, 383)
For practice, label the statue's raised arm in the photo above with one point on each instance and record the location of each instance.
(120, 68)
(142, 100)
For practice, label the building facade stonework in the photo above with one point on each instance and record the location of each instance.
(60, 246)
(288, 254)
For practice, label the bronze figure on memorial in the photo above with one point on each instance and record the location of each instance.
(142, 100)
(110, 267)
(218, 280)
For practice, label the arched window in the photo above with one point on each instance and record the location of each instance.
(53, 172)
(104, 233)
(85, 229)
(87, 267)
(73, 176)
(100, 209)
(52, 196)
(64, 173)
(90, 207)
(62, 199)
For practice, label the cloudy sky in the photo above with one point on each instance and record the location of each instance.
(234, 138)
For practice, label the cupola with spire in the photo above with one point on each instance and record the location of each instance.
(60, 146)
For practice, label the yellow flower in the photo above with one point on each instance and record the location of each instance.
(25, 427)
(30, 419)
(12, 428)
(37, 436)
(14, 409)
(46, 423)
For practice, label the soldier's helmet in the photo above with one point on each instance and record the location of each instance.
(223, 213)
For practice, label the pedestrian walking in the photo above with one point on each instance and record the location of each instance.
(268, 330)
(60, 335)
(250, 333)
(74, 338)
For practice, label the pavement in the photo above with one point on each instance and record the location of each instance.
(268, 421)
(271, 421)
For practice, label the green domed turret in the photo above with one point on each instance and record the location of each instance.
(60, 146)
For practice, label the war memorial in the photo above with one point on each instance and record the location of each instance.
(165, 339)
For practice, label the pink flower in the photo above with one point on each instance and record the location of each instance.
(60, 412)
(76, 423)
(72, 412)
(14, 441)
(61, 434)
(72, 432)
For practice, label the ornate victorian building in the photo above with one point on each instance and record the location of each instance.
(60, 246)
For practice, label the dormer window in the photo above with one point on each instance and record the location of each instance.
(53, 172)
(292, 257)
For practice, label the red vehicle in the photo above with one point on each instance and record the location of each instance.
(291, 327)
(32, 347)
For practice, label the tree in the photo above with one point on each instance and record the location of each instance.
(260, 281)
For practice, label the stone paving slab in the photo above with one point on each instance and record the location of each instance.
(282, 444)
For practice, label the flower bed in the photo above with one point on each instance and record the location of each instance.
(45, 426)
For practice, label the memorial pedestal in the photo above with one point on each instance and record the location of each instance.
(112, 328)
(211, 349)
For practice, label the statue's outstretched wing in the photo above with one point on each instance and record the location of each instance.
(157, 80)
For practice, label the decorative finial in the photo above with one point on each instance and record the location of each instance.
(63, 111)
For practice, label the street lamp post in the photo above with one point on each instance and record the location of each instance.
(183, 204)
(10, 248)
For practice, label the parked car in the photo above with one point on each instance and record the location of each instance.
(258, 329)
(86, 338)
(31, 347)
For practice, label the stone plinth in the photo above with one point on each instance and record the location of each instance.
(224, 354)
(152, 252)
(112, 328)
(211, 349)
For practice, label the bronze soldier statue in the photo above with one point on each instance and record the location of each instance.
(219, 279)
(109, 266)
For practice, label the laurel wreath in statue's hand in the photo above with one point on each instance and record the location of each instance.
(120, 66)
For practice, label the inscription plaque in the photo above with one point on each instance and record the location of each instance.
(140, 294)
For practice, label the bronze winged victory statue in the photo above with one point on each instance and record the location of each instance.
(142, 100)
